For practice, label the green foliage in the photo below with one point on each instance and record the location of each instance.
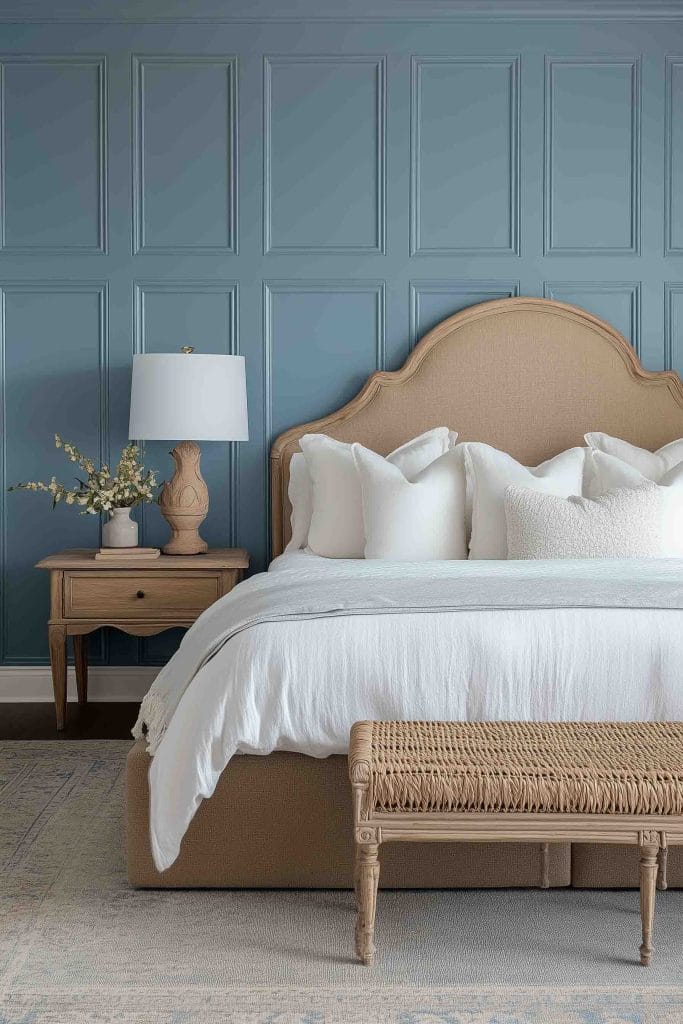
(130, 485)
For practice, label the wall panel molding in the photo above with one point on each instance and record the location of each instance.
(141, 243)
(418, 246)
(334, 287)
(39, 287)
(258, 12)
(57, 248)
(141, 288)
(420, 143)
(673, 243)
(673, 326)
(270, 242)
(572, 292)
(464, 292)
(551, 244)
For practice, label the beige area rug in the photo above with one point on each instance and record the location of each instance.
(78, 946)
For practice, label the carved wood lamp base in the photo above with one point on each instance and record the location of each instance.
(184, 502)
(185, 539)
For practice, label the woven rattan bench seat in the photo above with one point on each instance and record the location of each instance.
(534, 782)
(560, 767)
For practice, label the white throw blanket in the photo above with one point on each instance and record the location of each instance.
(291, 659)
(276, 597)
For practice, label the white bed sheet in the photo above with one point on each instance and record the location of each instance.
(299, 685)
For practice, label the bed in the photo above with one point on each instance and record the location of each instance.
(529, 376)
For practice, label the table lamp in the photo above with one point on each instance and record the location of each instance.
(187, 395)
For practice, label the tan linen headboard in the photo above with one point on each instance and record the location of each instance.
(527, 375)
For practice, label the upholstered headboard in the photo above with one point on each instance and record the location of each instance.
(527, 375)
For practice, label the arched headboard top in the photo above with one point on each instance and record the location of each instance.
(530, 376)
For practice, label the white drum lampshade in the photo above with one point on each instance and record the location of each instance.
(187, 397)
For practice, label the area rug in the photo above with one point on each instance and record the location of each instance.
(79, 946)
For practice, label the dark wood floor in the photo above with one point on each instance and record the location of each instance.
(96, 721)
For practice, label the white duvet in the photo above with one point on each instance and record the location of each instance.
(300, 684)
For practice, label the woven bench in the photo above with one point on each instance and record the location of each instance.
(540, 782)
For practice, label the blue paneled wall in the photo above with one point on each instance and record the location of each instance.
(315, 194)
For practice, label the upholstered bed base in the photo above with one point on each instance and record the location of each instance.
(285, 821)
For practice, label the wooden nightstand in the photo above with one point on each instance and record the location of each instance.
(142, 599)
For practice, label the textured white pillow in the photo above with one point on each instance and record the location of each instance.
(652, 465)
(625, 523)
(606, 472)
(418, 520)
(490, 472)
(336, 526)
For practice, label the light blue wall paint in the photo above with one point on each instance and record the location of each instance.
(316, 195)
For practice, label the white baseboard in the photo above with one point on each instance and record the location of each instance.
(23, 683)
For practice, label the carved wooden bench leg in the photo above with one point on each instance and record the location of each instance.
(662, 882)
(648, 880)
(368, 878)
(356, 892)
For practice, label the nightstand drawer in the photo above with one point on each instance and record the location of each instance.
(138, 595)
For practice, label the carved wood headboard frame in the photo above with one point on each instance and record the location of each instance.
(527, 375)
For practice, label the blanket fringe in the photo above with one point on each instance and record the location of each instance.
(152, 721)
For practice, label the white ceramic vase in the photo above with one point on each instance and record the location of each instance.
(120, 531)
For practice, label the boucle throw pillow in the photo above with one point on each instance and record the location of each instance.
(625, 523)
(607, 472)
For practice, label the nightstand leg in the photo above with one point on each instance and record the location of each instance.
(81, 662)
(57, 641)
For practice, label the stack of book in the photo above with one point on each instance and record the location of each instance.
(126, 554)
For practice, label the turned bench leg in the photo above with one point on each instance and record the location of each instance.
(662, 881)
(367, 880)
(648, 883)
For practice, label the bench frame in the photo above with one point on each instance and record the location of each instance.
(652, 833)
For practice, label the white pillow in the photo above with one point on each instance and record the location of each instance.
(490, 472)
(625, 523)
(653, 465)
(336, 527)
(606, 472)
(418, 520)
(300, 493)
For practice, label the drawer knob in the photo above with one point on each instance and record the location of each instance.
(140, 593)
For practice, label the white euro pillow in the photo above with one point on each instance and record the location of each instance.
(300, 492)
(336, 522)
(607, 472)
(652, 465)
(624, 523)
(418, 520)
(490, 472)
